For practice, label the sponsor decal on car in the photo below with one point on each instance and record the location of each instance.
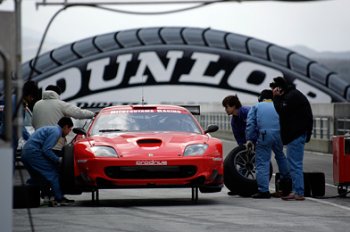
(151, 163)
(144, 111)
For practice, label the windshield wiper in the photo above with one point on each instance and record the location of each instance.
(110, 130)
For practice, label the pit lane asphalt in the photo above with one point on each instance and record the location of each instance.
(170, 210)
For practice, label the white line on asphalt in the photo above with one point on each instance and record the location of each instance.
(329, 203)
(322, 201)
(331, 185)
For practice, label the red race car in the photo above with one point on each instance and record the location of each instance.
(143, 146)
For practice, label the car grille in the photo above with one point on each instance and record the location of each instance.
(150, 172)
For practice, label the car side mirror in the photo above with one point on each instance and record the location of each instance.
(79, 131)
(211, 128)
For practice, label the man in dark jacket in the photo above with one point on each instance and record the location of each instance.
(239, 114)
(296, 122)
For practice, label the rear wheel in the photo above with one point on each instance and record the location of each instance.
(240, 173)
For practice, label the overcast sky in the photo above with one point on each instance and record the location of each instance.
(320, 25)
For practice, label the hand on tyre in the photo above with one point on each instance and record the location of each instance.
(249, 145)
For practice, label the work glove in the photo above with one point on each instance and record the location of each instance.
(249, 145)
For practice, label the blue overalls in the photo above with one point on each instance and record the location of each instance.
(40, 161)
(263, 124)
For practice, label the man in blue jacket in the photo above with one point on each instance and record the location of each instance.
(239, 114)
(263, 127)
(42, 163)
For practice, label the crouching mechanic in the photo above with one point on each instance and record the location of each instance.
(42, 163)
(263, 126)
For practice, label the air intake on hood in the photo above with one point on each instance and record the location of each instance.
(149, 142)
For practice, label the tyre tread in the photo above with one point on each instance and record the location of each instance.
(307, 70)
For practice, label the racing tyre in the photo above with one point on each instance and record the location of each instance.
(307, 185)
(314, 184)
(239, 172)
(317, 184)
(284, 185)
(26, 196)
(67, 171)
(57, 65)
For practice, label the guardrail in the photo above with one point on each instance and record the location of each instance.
(321, 130)
(342, 125)
(329, 120)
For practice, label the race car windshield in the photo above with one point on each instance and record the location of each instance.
(151, 121)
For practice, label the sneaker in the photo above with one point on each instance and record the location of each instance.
(67, 200)
(293, 197)
(63, 202)
(261, 195)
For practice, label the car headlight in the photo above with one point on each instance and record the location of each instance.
(195, 149)
(104, 151)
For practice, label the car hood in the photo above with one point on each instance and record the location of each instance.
(149, 144)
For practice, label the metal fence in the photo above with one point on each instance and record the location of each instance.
(342, 126)
(324, 127)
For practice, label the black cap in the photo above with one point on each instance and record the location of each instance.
(265, 94)
(279, 82)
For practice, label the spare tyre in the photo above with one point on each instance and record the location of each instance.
(240, 173)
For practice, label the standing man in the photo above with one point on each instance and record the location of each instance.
(296, 122)
(50, 109)
(239, 114)
(30, 93)
(263, 126)
(42, 163)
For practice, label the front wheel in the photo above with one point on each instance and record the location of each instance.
(67, 177)
(240, 171)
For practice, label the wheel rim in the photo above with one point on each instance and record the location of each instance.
(244, 163)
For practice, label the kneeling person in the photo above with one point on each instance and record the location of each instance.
(42, 163)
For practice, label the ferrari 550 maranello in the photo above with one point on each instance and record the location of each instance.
(144, 146)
